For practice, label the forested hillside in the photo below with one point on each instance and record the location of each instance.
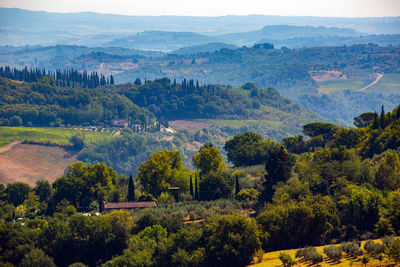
(338, 185)
(332, 76)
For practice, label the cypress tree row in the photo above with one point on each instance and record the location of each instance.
(63, 78)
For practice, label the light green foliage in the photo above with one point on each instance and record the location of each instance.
(311, 220)
(149, 246)
(391, 211)
(388, 175)
(162, 170)
(248, 194)
(31, 204)
(292, 189)
(84, 183)
(208, 160)
(36, 257)
(360, 206)
(59, 136)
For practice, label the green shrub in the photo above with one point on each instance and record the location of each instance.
(333, 252)
(286, 259)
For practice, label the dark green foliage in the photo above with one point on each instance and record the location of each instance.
(249, 149)
(191, 186)
(237, 185)
(43, 190)
(77, 142)
(364, 119)
(196, 187)
(295, 144)
(314, 129)
(231, 240)
(215, 185)
(188, 101)
(90, 240)
(278, 166)
(382, 122)
(131, 189)
(17, 192)
(42, 104)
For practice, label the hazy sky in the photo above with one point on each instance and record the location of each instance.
(323, 8)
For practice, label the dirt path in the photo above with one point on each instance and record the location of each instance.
(378, 77)
(9, 146)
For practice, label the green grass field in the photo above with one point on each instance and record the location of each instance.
(58, 136)
(389, 84)
(340, 85)
(271, 259)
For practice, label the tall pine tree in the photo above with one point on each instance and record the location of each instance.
(131, 190)
(383, 122)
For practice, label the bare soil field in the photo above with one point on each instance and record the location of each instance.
(28, 163)
(328, 75)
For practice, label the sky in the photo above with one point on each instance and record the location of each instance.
(321, 8)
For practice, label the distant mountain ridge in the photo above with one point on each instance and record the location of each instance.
(24, 27)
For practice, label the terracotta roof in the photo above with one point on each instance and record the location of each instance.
(129, 205)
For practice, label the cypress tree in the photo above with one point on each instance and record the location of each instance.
(375, 124)
(131, 189)
(383, 122)
(111, 79)
(398, 113)
(191, 187)
(101, 204)
(237, 185)
(196, 189)
(50, 207)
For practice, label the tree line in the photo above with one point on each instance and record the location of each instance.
(63, 78)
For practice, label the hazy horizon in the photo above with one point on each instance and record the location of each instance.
(209, 8)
